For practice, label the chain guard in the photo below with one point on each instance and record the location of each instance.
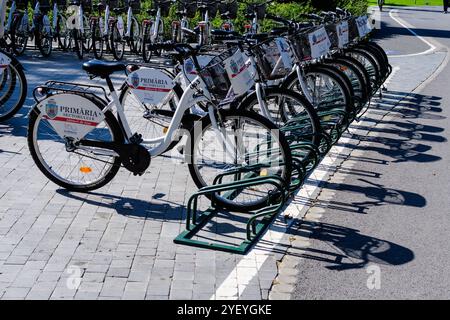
(135, 158)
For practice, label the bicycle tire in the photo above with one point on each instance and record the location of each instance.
(117, 137)
(197, 133)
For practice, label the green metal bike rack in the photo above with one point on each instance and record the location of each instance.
(256, 225)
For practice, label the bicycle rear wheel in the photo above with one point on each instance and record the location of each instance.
(64, 163)
(44, 43)
(97, 40)
(78, 43)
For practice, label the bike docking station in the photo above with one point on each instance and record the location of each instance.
(253, 224)
(306, 156)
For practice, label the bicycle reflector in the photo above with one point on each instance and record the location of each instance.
(85, 170)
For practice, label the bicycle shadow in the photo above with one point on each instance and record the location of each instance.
(375, 195)
(156, 209)
(400, 138)
(348, 248)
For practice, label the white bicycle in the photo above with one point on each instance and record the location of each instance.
(78, 143)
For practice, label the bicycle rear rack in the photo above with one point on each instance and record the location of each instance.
(54, 86)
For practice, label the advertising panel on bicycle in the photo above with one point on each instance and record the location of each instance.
(150, 85)
(70, 115)
(343, 34)
(320, 43)
(238, 71)
(285, 52)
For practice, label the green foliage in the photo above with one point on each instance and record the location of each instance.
(290, 10)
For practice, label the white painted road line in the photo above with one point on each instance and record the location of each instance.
(296, 209)
(394, 16)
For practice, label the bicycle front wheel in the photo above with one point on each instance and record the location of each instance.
(44, 43)
(117, 43)
(244, 145)
(13, 90)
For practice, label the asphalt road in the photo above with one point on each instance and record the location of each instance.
(384, 229)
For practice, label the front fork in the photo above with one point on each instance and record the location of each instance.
(260, 95)
(129, 22)
(221, 134)
(303, 85)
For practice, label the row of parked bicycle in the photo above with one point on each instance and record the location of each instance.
(255, 107)
(112, 25)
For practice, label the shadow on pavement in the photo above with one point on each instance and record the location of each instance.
(130, 207)
(358, 250)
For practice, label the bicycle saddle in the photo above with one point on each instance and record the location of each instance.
(180, 13)
(151, 12)
(102, 68)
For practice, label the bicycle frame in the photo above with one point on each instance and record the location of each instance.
(155, 32)
(106, 25)
(189, 99)
(206, 32)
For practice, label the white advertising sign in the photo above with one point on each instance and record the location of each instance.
(239, 74)
(319, 42)
(150, 85)
(71, 115)
(363, 25)
(343, 34)
(285, 52)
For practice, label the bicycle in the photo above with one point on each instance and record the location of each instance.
(153, 30)
(70, 120)
(13, 86)
(228, 11)
(19, 30)
(43, 33)
(78, 24)
(133, 29)
(180, 28)
(61, 32)
(99, 28)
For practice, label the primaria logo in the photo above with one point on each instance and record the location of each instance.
(189, 66)
(51, 108)
(134, 80)
(234, 67)
(154, 81)
(79, 111)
